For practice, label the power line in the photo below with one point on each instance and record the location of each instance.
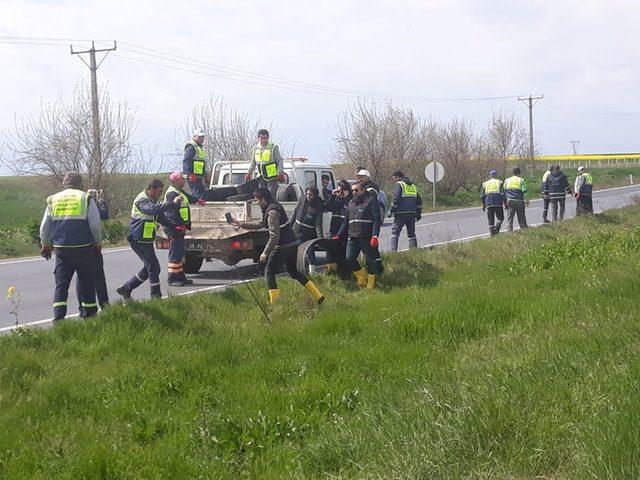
(244, 76)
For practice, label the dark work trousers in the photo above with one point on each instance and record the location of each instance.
(343, 246)
(357, 245)
(400, 221)
(545, 208)
(101, 286)
(82, 262)
(557, 203)
(516, 208)
(197, 188)
(584, 205)
(495, 212)
(176, 247)
(271, 185)
(150, 270)
(283, 255)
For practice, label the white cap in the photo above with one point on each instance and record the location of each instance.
(363, 173)
(198, 132)
(581, 168)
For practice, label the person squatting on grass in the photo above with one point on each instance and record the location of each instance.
(145, 212)
(71, 226)
(281, 248)
(362, 226)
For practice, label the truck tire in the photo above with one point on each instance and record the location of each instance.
(327, 245)
(288, 193)
(192, 262)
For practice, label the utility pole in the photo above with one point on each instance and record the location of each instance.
(574, 144)
(530, 101)
(95, 165)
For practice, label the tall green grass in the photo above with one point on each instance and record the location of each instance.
(481, 360)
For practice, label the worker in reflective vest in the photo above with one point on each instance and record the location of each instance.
(145, 212)
(361, 227)
(545, 197)
(281, 248)
(515, 189)
(71, 226)
(493, 199)
(102, 294)
(267, 158)
(583, 191)
(406, 210)
(193, 164)
(181, 222)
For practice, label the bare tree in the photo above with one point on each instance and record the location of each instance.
(230, 134)
(59, 140)
(505, 137)
(382, 139)
(457, 148)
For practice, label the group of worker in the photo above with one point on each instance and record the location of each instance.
(71, 226)
(511, 195)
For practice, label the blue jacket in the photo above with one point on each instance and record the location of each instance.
(492, 193)
(140, 229)
(173, 216)
(406, 201)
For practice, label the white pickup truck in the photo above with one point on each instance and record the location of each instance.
(212, 237)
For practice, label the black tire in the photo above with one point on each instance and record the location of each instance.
(240, 198)
(288, 193)
(192, 262)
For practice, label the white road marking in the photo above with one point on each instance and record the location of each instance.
(40, 259)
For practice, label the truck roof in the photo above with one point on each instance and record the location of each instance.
(289, 162)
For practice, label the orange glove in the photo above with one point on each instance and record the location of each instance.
(193, 178)
(180, 228)
(374, 242)
(335, 237)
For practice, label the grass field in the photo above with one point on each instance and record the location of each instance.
(516, 357)
(24, 200)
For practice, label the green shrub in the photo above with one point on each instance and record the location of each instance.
(113, 232)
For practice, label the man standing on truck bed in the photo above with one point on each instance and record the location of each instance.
(145, 212)
(181, 222)
(193, 164)
(266, 156)
(281, 248)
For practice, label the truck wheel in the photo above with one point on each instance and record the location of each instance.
(192, 262)
(287, 193)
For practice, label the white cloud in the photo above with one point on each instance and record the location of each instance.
(581, 55)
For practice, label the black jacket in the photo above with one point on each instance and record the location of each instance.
(362, 218)
(338, 208)
(306, 220)
(556, 186)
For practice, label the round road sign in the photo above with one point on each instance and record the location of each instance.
(434, 172)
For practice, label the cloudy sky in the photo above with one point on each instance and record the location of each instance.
(582, 55)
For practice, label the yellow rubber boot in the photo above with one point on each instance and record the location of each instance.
(274, 295)
(371, 282)
(361, 277)
(315, 293)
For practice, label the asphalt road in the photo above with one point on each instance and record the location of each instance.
(33, 277)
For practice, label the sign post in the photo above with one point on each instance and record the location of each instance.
(434, 172)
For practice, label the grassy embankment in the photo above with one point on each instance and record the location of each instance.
(23, 201)
(515, 357)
